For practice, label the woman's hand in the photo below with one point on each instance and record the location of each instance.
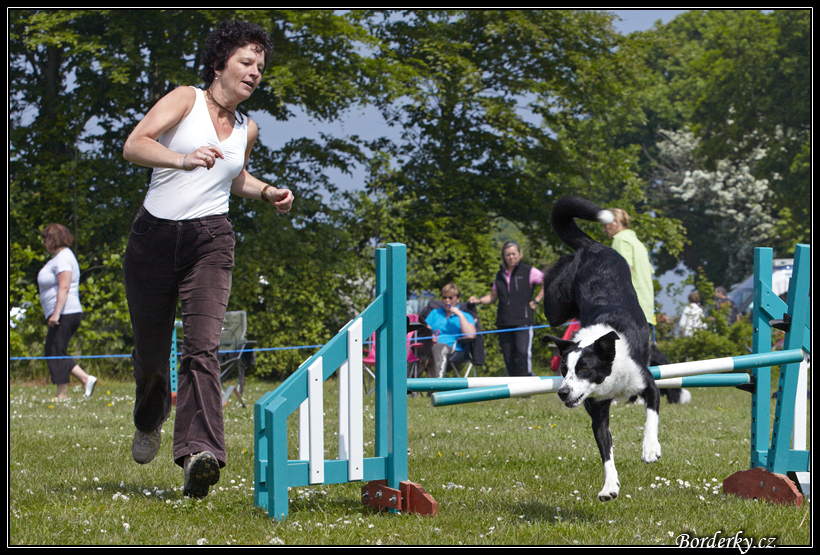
(247, 186)
(203, 157)
(282, 199)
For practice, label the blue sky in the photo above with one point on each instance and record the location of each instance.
(641, 20)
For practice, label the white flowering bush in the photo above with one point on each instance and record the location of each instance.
(729, 201)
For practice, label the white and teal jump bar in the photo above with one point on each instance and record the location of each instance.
(726, 364)
(703, 373)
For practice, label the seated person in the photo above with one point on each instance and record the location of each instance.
(448, 324)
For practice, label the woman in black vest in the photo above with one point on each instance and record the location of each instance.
(513, 288)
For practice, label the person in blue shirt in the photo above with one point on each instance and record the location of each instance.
(448, 324)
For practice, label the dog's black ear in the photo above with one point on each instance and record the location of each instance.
(563, 345)
(605, 346)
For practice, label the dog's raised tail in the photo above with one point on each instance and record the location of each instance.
(563, 220)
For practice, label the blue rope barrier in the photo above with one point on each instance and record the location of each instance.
(267, 349)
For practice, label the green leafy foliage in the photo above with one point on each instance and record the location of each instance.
(739, 81)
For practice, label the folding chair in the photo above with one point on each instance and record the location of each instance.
(368, 363)
(369, 360)
(414, 326)
(232, 354)
(459, 360)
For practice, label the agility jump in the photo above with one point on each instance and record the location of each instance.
(702, 373)
(771, 464)
(388, 487)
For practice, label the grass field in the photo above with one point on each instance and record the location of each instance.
(511, 472)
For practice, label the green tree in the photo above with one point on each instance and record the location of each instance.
(499, 112)
(502, 111)
(756, 97)
(81, 79)
(733, 204)
(739, 81)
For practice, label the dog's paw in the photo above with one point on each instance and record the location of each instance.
(651, 451)
(608, 494)
(612, 486)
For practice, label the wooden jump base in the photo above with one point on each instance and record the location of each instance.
(759, 483)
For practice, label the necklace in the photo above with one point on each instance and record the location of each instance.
(236, 115)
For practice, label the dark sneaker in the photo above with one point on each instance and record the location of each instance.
(145, 445)
(201, 472)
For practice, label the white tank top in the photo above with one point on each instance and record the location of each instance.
(184, 195)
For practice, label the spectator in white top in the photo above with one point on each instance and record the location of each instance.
(692, 317)
(59, 285)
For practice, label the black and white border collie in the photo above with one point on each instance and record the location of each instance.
(608, 356)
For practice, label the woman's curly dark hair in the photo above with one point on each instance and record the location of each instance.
(225, 39)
